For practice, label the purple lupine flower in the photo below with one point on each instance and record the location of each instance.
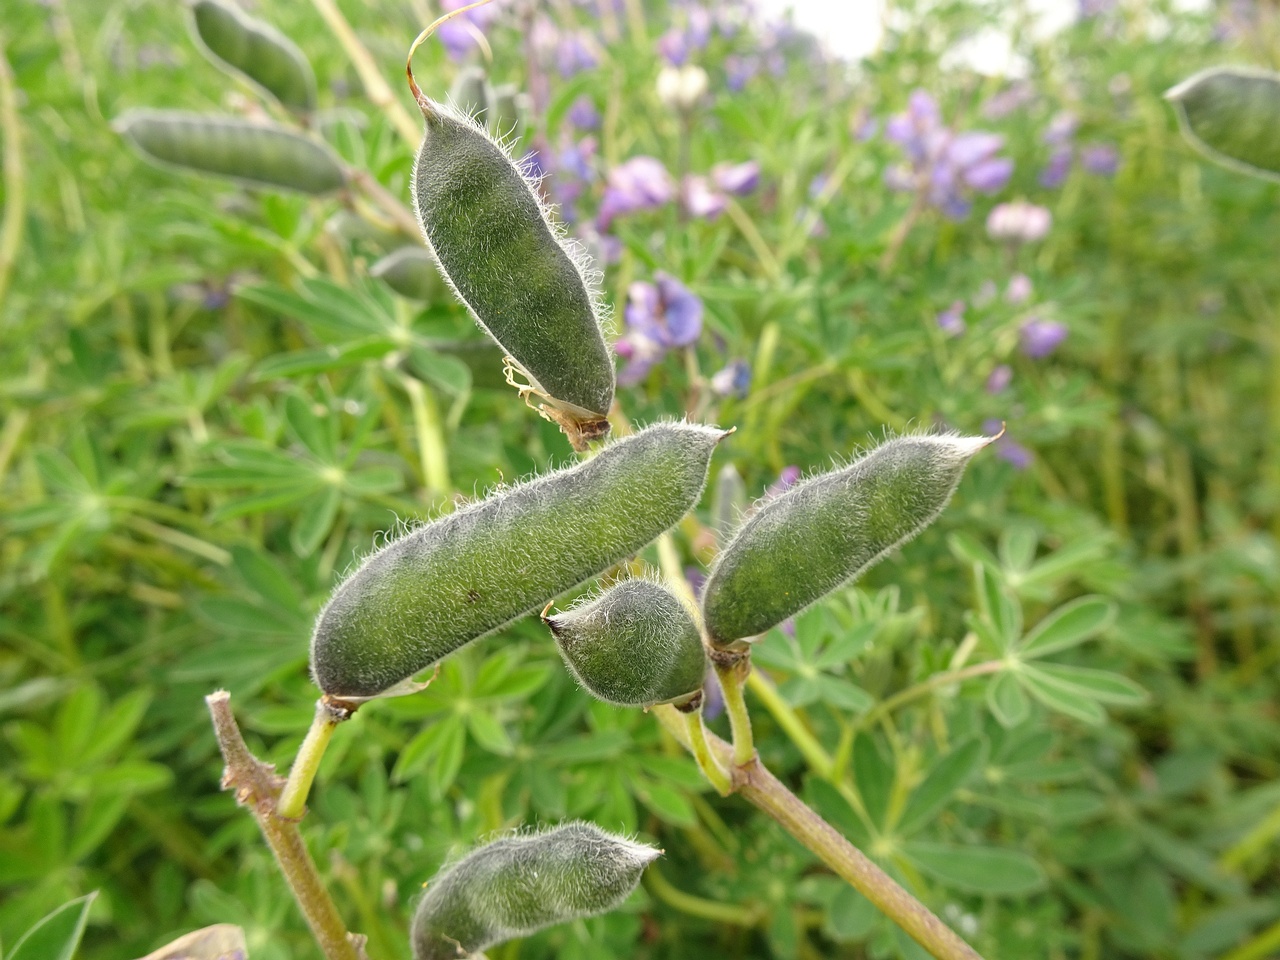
(659, 316)
(674, 47)
(1101, 159)
(1061, 130)
(697, 580)
(574, 54)
(1055, 172)
(642, 183)
(574, 170)
(737, 179)
(712, 696)
(1007, 449)
(738, 71)
(1041, 337)
(1019, 289)
(701, 199)
(458, 34)
(1000, 379)
(1018, 222)
(1009, 100)
(942, 162)
(787, 479)
(732, 381)
(583, 114)
(951, 320)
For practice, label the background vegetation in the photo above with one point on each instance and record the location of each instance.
(210, 409)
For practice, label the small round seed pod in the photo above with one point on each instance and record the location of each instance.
(471, 93)
(633, 645)
(1232, 115)
(259, 154)
(518, 885)
(410, 272)
(513, 268)
(470, 573)
(827, 530)
(255, 50)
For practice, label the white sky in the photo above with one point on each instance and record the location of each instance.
(852, 28)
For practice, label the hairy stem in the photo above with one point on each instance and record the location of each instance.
(735, 705)
(293, 798)
(257, 787)
(375, 87)
(701, 750)
(770, 795)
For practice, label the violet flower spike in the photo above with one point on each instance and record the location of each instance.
(1041, 337)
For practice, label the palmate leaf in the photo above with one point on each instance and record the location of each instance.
(1232, 115)
(987, 870)
(1068, 626)
(943, 780)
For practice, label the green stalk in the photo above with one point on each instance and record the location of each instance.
(707, 763)
(815, 756)
(664, 890)
(14, 175)
(735, 705)
(257, 787)
(293, 798)
(770, 795)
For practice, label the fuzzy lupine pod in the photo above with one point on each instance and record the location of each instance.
(497, 247)
(471, 93)
(518, 885)
(257, 51)
(827, 530)
(410, 272)
(728, 502)
(1232, 114)
(467, 574)
(633, 645)
(510, 111)
(253, 153)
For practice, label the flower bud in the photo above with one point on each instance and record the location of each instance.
(633, 645)
(682, 87)
(518, 885)
(467, 574)
(825, 531)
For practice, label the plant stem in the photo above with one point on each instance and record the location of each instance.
(707, 763)
(885, 707)
(735, 705)
(770, 795)
(815, 756)
(293, 798)
(257, 787)
(380, 196)
(901, 231)
(14, 178)
(375, 87)
(662, 888)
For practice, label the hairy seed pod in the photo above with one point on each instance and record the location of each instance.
(827, 530)
(474, 571)
(257, 51)
(510, 111)
(471, 93)
(259, 154)
(1232, 114)
(634, 645)
(518, 885)
(410, 272)
(523, 283)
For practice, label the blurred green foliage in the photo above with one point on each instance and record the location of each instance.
(210, 409)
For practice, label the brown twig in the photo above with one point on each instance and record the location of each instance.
(257, 787)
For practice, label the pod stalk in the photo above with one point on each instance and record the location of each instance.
(293, 798)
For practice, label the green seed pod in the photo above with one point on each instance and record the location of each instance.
(259, 154)
(471, 93)
(510, 111)
(825, 531)
(634, 645)
(1232, 115)
(518, 885)
(728, 502)
(465, 575)
(257, 51)
(522, 281)
(410, 272)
